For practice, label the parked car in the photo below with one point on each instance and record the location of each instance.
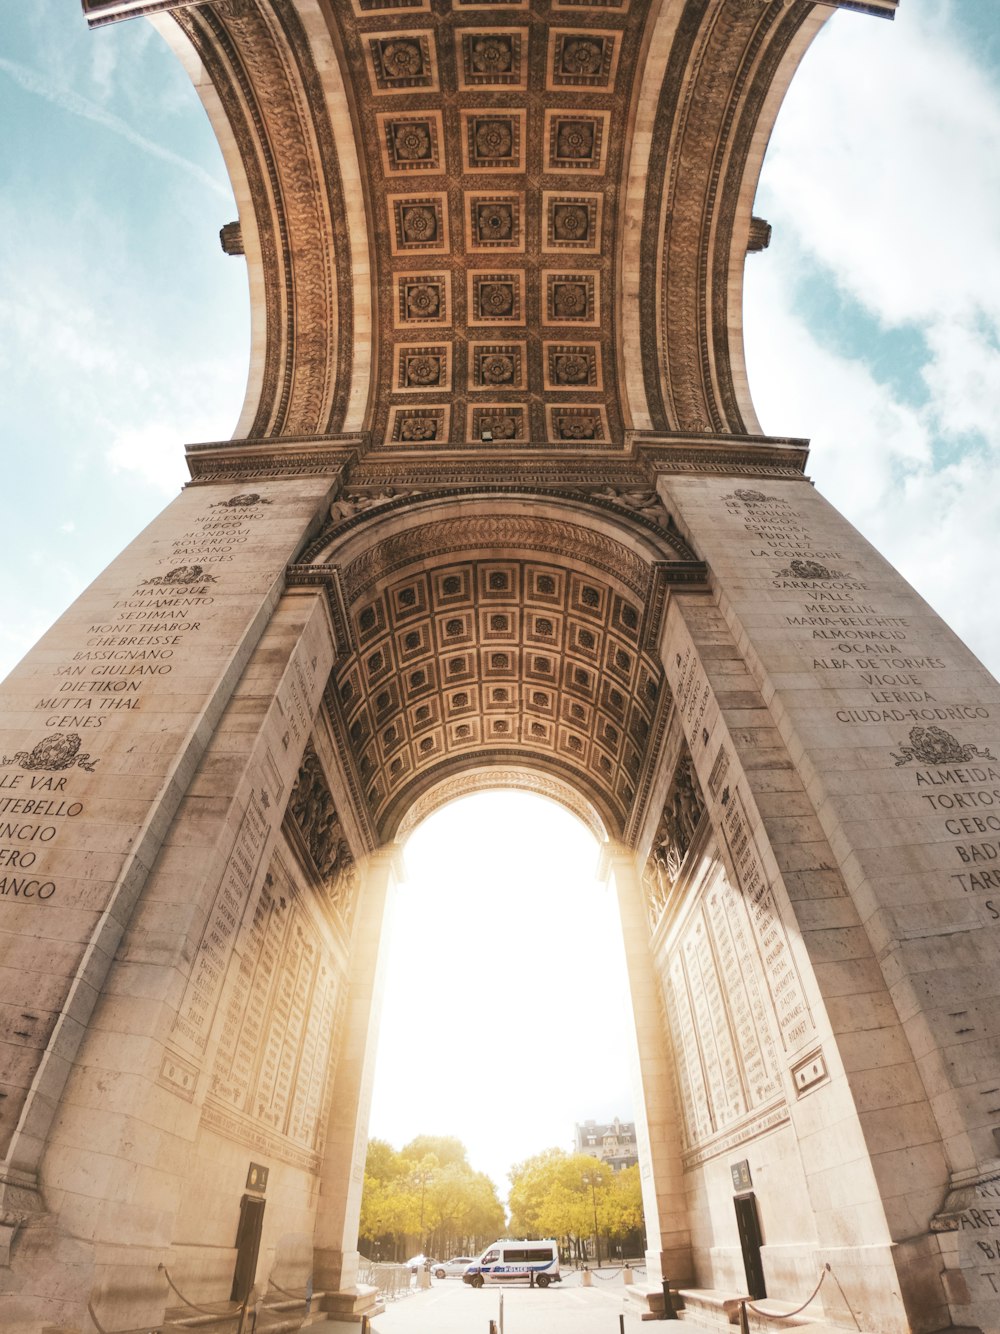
(420, 1261)
(456, 1266)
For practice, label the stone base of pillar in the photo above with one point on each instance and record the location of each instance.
(351, 1304)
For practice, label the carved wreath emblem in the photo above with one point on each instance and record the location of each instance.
(809, 569)
(241, 502)
(61, 750)
(933, 745)
(751, 497)
(182, 574)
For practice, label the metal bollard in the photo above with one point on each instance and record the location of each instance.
(493, 1327)
(668, 1302)
(628, 1278)
(621, 1324)
(588, 1278)
(531, 1278)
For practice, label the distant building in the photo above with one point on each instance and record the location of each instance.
(613, 1143)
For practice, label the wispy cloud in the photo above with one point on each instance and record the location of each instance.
(39, 86)
(907, 235)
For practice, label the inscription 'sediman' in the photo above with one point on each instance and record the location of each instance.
(58, 751)
(933, 745)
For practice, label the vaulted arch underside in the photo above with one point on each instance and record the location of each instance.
(509, 223)
(490, 631)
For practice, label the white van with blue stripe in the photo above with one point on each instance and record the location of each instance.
(516, 1262)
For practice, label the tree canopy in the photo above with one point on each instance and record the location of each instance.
(557, 1194)
(426, 1197)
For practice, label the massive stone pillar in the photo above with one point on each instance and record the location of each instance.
(668, 1235)
(343, 1173)
(846, 743)
(151, 744)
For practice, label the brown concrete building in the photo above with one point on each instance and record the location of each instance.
(498, 512)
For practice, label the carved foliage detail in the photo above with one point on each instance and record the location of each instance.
(311, 807)
(682, 812)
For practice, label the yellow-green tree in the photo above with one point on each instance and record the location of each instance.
(574, 1197)
(426, 1197)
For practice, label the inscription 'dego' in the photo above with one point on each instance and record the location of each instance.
(107, 679)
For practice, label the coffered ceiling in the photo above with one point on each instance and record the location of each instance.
(493, 224)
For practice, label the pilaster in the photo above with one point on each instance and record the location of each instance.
(343, 1170)
(668, 1237)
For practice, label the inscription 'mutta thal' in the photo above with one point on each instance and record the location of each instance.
(498, 511)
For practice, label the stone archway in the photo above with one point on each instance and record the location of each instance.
(495, 505)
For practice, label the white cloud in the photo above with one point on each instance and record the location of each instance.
(154, 451)
(909, 229)
(907, 232)
(33, 82)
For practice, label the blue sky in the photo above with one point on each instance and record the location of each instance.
(872, 322)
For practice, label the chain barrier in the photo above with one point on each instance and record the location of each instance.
(239, 1309)
(101, 1330)
(747, 1305)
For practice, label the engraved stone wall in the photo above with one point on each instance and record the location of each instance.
(273, 1068)
(723, 1023)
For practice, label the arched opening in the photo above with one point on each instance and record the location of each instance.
(505, 1020)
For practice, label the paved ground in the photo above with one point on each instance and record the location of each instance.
(449, 1306)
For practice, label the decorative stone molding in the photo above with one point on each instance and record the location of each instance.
(262, 460)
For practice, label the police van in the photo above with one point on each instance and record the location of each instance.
(516, 1261)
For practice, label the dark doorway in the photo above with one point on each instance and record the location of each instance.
(751, 1240)
(247, 1246)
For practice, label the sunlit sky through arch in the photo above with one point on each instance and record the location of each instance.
(505, 1009)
